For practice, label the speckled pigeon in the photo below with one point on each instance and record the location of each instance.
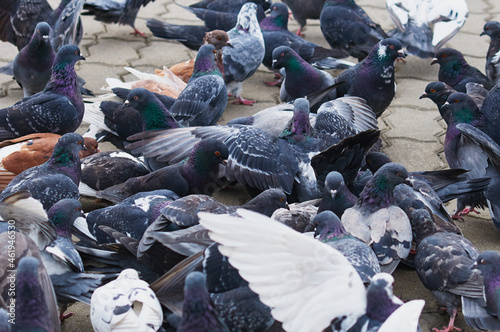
(32, 66)
(57, 178)
(456, 72)
(57, 109)
(492, 68)
(347, 26)
(376, 218)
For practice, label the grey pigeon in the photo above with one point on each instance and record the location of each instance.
(347, 26)
(67, 29)
(492, 68)
(425, 26)
(376, 218)
(456, 72)
(57, 178)
(336, 195)
(482, 314)
(197, 174)
(32, 66)
(57, 109)
(444, 265)
(204, 99)
(246, 54)
(121, 12)
(303, 10)
(329, 230)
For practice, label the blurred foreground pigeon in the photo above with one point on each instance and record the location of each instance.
(424, 26)
(377, 220)
(121, 12)
(57, 178)
(347, 26)
(32, 66)
(57, 109)
(125, 303)
(336, 284)
(456, 72)
(492, 68)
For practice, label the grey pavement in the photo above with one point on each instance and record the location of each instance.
(412, 130)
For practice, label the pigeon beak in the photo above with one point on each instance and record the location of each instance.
(474, 266)
(229, 45)
(401, 54)
(274, 62)
(408, 182)
(482, 33)
(333, 193)
(82, 57)
(45, 37)
(126, 103)
(445, 106)
(435, 60)
(224, 162)
(84, 148)
(424, 95)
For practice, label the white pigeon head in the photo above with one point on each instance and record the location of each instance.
(247, 19)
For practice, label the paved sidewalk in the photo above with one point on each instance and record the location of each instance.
(412, 130)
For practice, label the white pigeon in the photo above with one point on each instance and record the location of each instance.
(125, 304)
(423, 26)
(307, 283)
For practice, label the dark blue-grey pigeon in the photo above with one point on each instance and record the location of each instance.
(456, 72)
(336, 195)
(196, 174)
(377, 220)
(347, 26)
(492, 68)
(55, 179)
(18, 20)
(118, 12)
(482, 314)
(32, 66)
(304, 9)
(243, 59)
(329, 229)
(444, 265)
(424, 27)
(275, 32)
(57, 109)
(204, 99)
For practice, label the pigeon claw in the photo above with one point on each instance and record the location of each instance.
(63, 316)
(300, 33)
(468, 210)
(243, 101)
(138, 33)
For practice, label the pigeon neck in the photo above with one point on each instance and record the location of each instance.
(205, 66)
(66, 162)
(380, 304)
(201, 171)
(298, 69)
(63, 80)
(378, 193)
(30, 302)
(156, 116)
(491, 285)
(57, 12)
(494, 47)
(40, 53)
(333, 233)
(274, 23)
(451, 71)
(61, 224)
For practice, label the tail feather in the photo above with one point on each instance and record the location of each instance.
(190, 36)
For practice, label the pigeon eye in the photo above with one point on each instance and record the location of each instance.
(217, 153)
(219, 38)
(455, 101)
(482, 261)
(432, 90)
(398, 174)
(282, 54)
(391, 47)
(213, 51)
(444, 56)
(38, 30)
(79, 142)
(77, 53)
(136, 97)
(282, 199)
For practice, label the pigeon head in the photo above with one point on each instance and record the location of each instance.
(445, 56)
(488, 262)
(284, 56)
(42, 32)
(422, 224)
(130, 274)
(153, 112)
(333, 182)
(63, 214)
(381, 302)
(67, 149)
(491, 28)
(329, 227)
(247, 19)
(461, 108)
(438, 92)
(206, 158)
(205, 62)
(277, 19)
(217, 38)
(389, 49)
(67, 55)
(299, 129)
(267, 202)
(91, 147)
(375, 160)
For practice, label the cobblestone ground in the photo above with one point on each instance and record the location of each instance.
(412, 130)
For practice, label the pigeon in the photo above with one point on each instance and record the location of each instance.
(32, 66)
(121, 12)
(105, 169)
(204, 99)
(456, 72)
(131, 216)
(482, 314)
(195, 175)
(57, 109)
(444, 265)
(125, 303)
(425, 26)
(303, 10)
(336, 196)
(377, 220)
(492, 69)
(329, 230)
(229, 6)
(275, 32)
(347, 26)
(26, 248)
(67, 29)
(198, 310)
(55, 179)
(336, 285)
(19, 19)
(243, 59)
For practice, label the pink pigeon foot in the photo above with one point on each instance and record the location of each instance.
(243, 101)
(138, 33)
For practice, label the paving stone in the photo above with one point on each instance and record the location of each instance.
(461, 42)
(408, 91)
(416, 156)
(161, 53)
(408, 123)
(99, 53)
(95, 74)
